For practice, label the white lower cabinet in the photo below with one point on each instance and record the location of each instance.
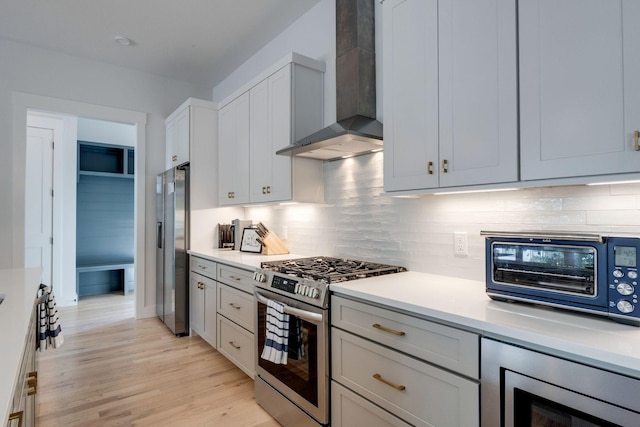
(202, 303)
(236, 314)
(427, 376)
(222, 310)
(236, 343)
(351, 410)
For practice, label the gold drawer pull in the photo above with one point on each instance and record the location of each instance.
(174, 158)
(235, 278)
(430, 168)
(237, 347)
(17, 416)
(236, 306)
(390, 384)
(391, 331)
(445, 166)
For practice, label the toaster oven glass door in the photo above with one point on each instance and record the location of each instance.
(553, 268)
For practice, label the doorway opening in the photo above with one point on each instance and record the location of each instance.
(65, 114)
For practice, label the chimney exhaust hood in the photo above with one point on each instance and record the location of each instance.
(357, 131)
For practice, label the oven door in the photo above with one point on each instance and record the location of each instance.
(304, 379)
(524, 388)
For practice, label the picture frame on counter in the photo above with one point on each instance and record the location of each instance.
(250, 241)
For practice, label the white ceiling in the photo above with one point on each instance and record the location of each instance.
(199, 41)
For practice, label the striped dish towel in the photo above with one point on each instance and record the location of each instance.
(277, 337)
(50, 332)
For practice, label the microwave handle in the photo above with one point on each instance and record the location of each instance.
(584, 237)
(303, 314)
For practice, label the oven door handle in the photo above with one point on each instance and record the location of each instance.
(303, 314)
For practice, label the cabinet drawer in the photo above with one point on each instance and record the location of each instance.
(350, 410)
(448, 347)
(415, 391)
(236, 277)
(237, 345)
(237, 306)
(204, 267)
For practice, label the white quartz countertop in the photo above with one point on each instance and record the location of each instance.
(589, 339)
(20, 287)
(246, 260)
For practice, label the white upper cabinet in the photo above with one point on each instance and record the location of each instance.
(270, 130)
(233, 151)
(450, 91)
(579, 87)
(282, 106)
(177, 137)
(410, 70)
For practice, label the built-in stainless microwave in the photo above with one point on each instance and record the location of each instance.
(592, 273)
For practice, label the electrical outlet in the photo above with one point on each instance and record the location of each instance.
(460, 243)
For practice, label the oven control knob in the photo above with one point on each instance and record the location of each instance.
(632, 274)
(624, 306)
(303, 290)
(315, 293)
(259, 277)
(624, 288)
(618, 273)
(297, 288)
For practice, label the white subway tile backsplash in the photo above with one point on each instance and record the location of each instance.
(359, 221)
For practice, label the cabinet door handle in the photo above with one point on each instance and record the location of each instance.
(236, 306)
(445, 166)
(391, 331)
(235, 278)
(17, 416)
(174, 158)
(232, 344)
(268, 189)
(636, 142)
(389, 383)
(264, 190)
(200, 285)
(33, 384)
(430, 168)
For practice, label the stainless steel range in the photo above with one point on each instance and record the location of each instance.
(296, 392)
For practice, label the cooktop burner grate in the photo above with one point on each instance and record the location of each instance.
(330, 270)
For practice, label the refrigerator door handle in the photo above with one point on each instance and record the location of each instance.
(159, 235)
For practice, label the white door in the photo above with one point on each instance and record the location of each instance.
(39, 201)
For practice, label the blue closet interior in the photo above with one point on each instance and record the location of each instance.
(104, 219)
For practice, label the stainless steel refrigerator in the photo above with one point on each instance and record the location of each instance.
(172, 242)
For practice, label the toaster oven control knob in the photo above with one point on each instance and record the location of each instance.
(632, 274)
(624, 288)
(618, 273)
(624, 306)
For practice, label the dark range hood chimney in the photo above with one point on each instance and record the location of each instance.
(357, 130)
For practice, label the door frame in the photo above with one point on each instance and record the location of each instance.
(23, 104)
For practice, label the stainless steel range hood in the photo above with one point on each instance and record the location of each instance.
(357, 131)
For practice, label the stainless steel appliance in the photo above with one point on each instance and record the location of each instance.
(297, 393)
(172, 242)
(522, 388)
(592, 273)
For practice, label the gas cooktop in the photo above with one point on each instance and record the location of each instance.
(329, 270)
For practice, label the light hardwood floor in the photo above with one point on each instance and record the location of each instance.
(113, 370)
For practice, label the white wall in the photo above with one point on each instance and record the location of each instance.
(92, 130)
(27, 69)
(358, 221)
